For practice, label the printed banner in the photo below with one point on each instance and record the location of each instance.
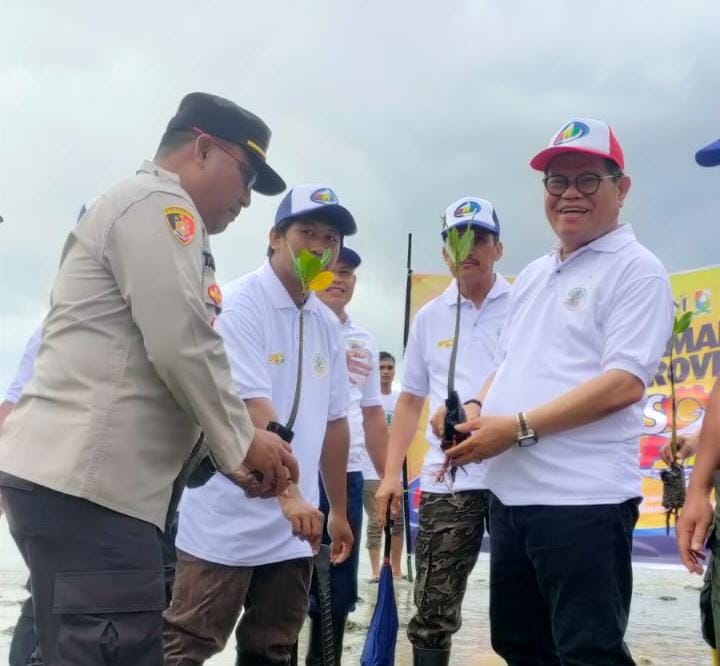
(696, 364)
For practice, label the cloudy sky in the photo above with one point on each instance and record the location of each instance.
(401, 106)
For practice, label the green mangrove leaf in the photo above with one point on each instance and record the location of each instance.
(467, 240)
(459, 246)
(321, 281)
(307, 266)
(682, 323)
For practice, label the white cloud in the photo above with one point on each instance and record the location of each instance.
(401, 106)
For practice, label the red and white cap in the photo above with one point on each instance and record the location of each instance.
(581, 135)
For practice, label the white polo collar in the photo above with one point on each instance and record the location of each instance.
(501, 286)
(276, 292)
(613, 241)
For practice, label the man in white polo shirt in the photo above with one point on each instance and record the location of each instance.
(368, 433)
(562, 415)
(452, 515)
(236, 553)
(371, 482)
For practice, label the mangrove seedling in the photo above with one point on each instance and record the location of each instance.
(673, 478)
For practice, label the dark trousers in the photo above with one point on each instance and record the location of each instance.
(24, 640)
(208, 599)
(96, 578)
(561, 583)
(344, 577)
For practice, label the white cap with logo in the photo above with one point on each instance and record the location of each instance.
(478, 213)
(315, 200)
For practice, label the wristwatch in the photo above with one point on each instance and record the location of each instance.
(525, 434)
(473, 401)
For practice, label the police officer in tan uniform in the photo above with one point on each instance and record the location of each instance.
(128, 373)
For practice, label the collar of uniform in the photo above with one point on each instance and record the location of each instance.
(276, 292)
(613, 241)
(500, 286)
(150, 167)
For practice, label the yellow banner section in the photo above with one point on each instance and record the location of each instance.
(696, 364)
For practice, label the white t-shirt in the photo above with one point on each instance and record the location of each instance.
(427, 359)
(389, 400)
(607, 306)
(259, 325)
(364, 391)
(25, 369)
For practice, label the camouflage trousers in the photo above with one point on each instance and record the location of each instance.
(447, 546)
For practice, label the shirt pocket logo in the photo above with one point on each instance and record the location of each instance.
(576, 299)
(319, 365)
(446, 343)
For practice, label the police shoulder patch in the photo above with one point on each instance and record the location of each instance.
(181, 223)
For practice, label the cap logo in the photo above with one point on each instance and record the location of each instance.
(571, 132)
(467, 208)
(251, 144)
(324, 196)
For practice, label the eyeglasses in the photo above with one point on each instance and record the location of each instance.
(585, 183)
(249, 174)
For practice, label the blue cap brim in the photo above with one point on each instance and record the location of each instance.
(709, 155)
(334, 214)
(349, 257)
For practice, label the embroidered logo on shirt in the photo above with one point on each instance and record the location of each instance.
(278, 358)
(319, 365)
(576, 298)
(447, 343)
(181, 223)
(215, 294)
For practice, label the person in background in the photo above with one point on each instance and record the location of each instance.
(368, 433)
(371, 483)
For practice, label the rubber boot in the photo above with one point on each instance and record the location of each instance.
(430, 657)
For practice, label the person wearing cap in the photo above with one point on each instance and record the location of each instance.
(698, 522)
(562, 415)
(452, 514)
(368, 435)
(240, 554)
(128, 373)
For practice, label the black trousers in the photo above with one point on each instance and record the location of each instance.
(96, 578)
(24, 640)
(561, 583)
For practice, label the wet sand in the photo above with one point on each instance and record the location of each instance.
(664, 623)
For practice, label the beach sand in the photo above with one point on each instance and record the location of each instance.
(664, 623)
